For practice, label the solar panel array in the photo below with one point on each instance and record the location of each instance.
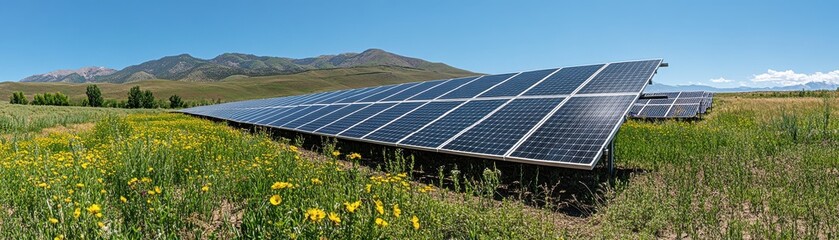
(672, 105)
(557, 117)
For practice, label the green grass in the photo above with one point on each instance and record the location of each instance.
(242, 87)
(760, 168)
(21, 119)
(757, 167)
(165, 175)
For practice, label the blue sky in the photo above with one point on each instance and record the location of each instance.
(718, 43)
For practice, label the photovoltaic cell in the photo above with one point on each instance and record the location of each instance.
(435, 134)
(411, 122)
(329, 118)
(441, 89)
(356, 98)
(577, 131)
(518, 84)
(565, 81)
(654, 111)
(622, 77)
(476, 87)
(498, 133)
(683, 111)
(279, 122)
(387, 93)
(413, 91)
(350, 120)
(312, 115)
(379, 120)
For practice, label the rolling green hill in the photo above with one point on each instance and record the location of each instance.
(240, 87)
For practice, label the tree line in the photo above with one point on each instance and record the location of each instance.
(137, 98)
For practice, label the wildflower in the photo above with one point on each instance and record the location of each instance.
(43, 185)
(314, 214)
(316, 181)
(415, 222)
(205, 188)
(53, 220)
(353, 156)
(380, 207)
(280, 185)
(100, 224)
(99, 215)
(59, 237)
(151, 169)
(77, 212)
(396, 210)
(80, 185)
(367, 187)
(94, 209)
(334, 218)
(292, 148)
(103, 191)
(123, 199)
(381, 222)
(132, 181)
(351, 207)
(336, 153)
(276, 200)
(157, 190)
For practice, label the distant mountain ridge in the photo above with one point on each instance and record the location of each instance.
(80, 75)
(808, 86)
(185, 67)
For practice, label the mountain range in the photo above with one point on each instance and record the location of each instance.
(185, 67)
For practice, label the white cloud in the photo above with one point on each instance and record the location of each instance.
(721, 80)
(790, 77)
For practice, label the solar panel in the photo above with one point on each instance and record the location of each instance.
(443, 88)
(380, 119)
(447, 126)
(577, 132)
(398, 129)
(348, 121)
(622, 77)
(499, 132)
(671, 105)
(329, 118)
(518, 84)
(557, 117)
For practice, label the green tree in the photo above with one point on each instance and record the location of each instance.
(148, 99)
(135, 98)
(175, 102)
(94, 96)
(18, 98)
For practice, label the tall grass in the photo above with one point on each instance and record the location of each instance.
(756, 168)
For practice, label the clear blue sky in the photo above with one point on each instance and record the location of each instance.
(702, 40)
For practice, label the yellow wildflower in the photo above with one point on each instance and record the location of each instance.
(281, 185)
(380, 207)
(396, 210)
(381, 222)
(276, 200)
(316, 181)
(157, 190)
(123, 199)
(334, 218)
(336, 153)
(77, 212)
(100, 224)
(367, 187)
(94, 209)
(314, 214)
(53, 220)
(415, 222)
(59, 237)
(351, 207)
(80, 185)
(205, 188)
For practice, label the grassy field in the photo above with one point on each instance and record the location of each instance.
(242, 87)
(754, 168)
